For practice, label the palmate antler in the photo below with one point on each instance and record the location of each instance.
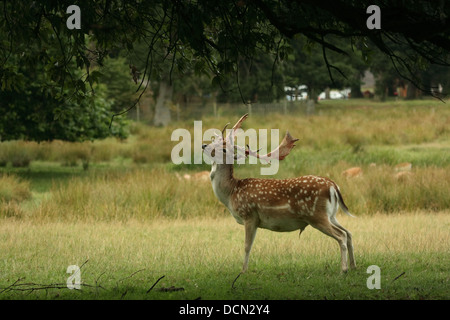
(281, 152)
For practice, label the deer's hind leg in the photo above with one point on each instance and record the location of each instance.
(324, 225)
(349, 241)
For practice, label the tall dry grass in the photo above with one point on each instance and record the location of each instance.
(381, 190)
(13, 191)
(138, 194)
(337, 137)
(17, 153)
(13, 188)
(339, 125)
(148, 194)
(353, 125)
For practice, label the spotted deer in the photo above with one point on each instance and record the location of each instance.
(273, 204)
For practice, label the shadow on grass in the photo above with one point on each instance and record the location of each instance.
(43, 176)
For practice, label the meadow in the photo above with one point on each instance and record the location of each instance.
(125, 213)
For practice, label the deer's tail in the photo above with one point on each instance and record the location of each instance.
(341, 202)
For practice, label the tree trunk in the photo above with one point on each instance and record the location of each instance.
(411, 92)
(162, 111)
(327, 93)
(355, 90)
(312, 94)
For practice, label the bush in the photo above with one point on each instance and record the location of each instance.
(19, 153)
(3, 157)
(21, 158)
(12, 189)
(72, 152)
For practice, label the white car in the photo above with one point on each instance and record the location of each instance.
(300, 96)
(334, 94)
(296, 93)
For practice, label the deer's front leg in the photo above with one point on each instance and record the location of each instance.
(251, 225)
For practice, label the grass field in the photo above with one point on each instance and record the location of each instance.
(122, 212)
(203, 256)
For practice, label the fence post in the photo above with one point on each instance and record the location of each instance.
(138, 115)
(215, 109)
(310, 107)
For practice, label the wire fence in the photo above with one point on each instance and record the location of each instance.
(198, 110)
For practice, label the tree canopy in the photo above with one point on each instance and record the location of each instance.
(50, 73)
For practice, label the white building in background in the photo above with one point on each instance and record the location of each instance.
(296, 93)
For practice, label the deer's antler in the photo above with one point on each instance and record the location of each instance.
(279, 153)
(232, 134)
(223, 130)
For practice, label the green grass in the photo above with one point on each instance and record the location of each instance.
(203, 256)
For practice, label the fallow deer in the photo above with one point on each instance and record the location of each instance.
(277, 205)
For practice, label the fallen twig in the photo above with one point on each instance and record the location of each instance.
(131, 275)
(8, 287)
(171, 289)
(154, 284)
(232, 285)
(84, 263)
(401, 274)
(31, 286)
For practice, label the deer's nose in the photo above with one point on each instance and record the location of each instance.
(204, 146)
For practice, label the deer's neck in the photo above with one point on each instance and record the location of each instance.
(223, 182)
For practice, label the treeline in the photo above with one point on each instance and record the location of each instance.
(39, 112)
(263, 78)
(60, 83)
